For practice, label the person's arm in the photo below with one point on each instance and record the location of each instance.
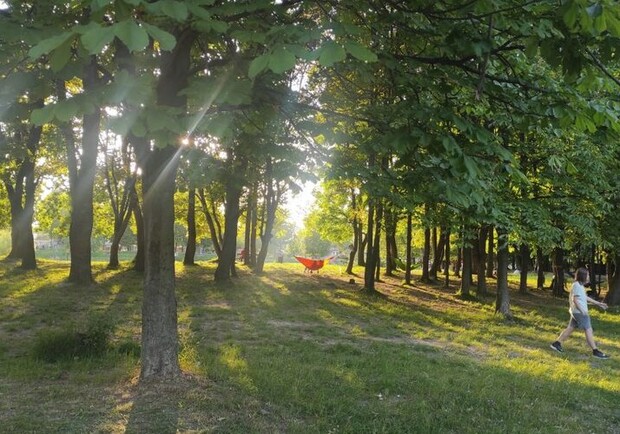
(596, 303)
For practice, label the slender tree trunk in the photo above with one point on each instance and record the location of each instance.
(438, 254)
(409, 243)
(215, 238)
(525, 264)
(190, 251)
(369, 270)
(426, 256)
(481, 288)
(377, 241)
(447, 270)
(502, 301)
(467, 272)
(271, 202)
(558, 272)
(459, 261)
(226, 264)
(540, 282)
(29, 261)
(81, 227)
(140, 258)
(490, 252)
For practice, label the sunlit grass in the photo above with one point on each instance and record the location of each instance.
(293, 352)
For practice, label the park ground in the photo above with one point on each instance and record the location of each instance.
(289, 352)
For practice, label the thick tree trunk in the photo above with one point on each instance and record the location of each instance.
(159, 354)
(16, 196)
(82, 183)
(190, 250)
(29, 261)
(502, 301)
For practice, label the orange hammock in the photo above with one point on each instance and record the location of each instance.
(313, 264)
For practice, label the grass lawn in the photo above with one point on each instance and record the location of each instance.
(288, 352)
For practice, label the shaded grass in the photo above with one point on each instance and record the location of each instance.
(292, 352)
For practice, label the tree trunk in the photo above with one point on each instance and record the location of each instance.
(409, 243)
(369, 270)
(502, 301)
(426, 256)
(226, 264)
(481, 284)
(557, 284)
(82, 183)
(213, 230)
(540, 282)
(190, 250)
(271, 202)
(16, 199)
(447, 271)
(29, 261)
(140, 258)
(525, 264)
(490, 252)
(438, 253)
(159, 353)
(613, 280)
(391, 249)
(466, 272)
(377, 242)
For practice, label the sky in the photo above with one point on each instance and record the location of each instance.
(299, 206)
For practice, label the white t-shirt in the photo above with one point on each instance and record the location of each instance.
(578, 295)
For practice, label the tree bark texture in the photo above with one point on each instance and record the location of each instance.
(190, 250)
(82, 183)
(502, 301)
(481, 283)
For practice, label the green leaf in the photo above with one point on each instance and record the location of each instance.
(99, 4)
(360, 52)
(48, 45)
(596, 10)
(132, 35)
(133, 2)
(138, 129)
(332, 53)
(258, 65)
(96, 38)
(174, 9)
(43, 115)
(570, 15)
(281, 60)
(531, 47)
(166, 40)
(60, 56)
(66, 110)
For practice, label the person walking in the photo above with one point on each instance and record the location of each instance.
(579, 318)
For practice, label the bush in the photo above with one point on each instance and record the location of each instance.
(57, 345)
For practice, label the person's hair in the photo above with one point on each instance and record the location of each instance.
(581, 275)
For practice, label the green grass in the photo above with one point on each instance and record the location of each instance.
(298, 353)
